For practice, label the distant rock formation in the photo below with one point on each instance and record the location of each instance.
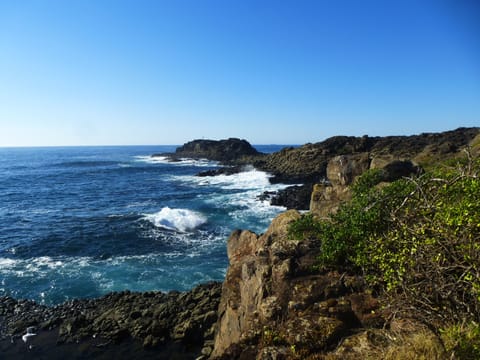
(308, 163)
(333, 164)
(225, 151)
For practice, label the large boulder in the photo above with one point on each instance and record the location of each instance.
(343, 169)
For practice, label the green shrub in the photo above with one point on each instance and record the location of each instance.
(462, 340)
(345, 239)
(304, 228)
(418, 238)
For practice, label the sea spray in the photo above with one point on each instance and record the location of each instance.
(182, 220)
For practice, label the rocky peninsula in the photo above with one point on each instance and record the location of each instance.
(275, 302)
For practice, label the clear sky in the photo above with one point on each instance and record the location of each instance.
(113, 72)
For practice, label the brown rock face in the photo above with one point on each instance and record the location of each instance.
(245, 300)
(308, 163)
(343, 169)
(327, 198)
(272, 303)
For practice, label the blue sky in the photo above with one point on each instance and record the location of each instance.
(113, 72)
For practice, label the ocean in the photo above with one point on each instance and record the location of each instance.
(80, 222)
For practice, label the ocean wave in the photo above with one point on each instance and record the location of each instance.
(52, 280)
(179, 162)
(245, 180)
(182, 220)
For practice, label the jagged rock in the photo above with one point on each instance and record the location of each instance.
(293, 197)
(152, 319)
(326, 199)
(269, 299)
(343, 169)
(308, 163)
(230, 170)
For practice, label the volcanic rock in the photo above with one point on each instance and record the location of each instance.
(224, 151)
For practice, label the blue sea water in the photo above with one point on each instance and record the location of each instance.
(80, 222)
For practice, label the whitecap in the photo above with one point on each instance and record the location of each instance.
(5, 262)
(177, 162)
(182, 220)
(152, 159)
(245, 180)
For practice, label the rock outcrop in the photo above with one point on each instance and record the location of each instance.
(312, 164)
(274, 306)
(342, 171)
(224, 151)
(308, 163)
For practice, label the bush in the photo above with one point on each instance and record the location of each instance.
(419, 239)
(304, 228)
(430, 252)
(462, 340)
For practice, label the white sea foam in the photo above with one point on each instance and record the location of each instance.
(6, 263)
(251, 179)
(152, 159)
(179, 162)
(182, 220)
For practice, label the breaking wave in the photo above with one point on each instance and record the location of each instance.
(182, 220)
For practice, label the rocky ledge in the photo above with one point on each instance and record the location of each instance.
(175, 325)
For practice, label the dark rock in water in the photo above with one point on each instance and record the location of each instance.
(230, 170)
(180, 323)
(294, 197)
(221, 150)
(266, 196)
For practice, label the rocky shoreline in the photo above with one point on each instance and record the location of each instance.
(306, 165)
(273, 304)
(174, 325)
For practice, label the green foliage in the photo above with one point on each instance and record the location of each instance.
(462, 340)
(417, 238)
(364, 184)
(306, 227)
(431, 251)
(345, 237)
(272, 337)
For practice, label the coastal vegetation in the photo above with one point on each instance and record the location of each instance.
(416, 241)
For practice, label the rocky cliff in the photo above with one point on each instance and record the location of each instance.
(276, 305)
(273, 306)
